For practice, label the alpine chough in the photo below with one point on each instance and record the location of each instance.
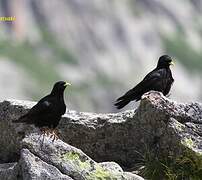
(160, 79)
(47, 113)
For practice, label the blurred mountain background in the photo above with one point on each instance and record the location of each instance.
(102, 47)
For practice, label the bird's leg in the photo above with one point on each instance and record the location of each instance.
(54, 135)
(42, 141)
(44, 131)
(47, 131)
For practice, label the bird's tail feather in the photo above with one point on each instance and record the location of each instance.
(121, 103)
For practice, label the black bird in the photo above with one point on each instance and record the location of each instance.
(160, 79)
(47, 113)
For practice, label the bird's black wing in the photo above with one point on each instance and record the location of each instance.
(44, 106)
(153, 81)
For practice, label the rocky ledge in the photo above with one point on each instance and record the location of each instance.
(98, 146)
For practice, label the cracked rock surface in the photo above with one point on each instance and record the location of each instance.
(162, 125)
(32, 167)
(41, 160)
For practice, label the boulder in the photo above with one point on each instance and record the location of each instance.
(41, 159)
(11, 134)
(115, 167)
(67, 159)
(159, 125)
(32, 168)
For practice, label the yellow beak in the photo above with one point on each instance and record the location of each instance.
(67, 84)
(172, 63)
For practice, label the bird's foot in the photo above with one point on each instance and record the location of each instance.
(45, 131)
(54, 134)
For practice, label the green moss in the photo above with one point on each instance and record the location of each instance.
(82, 164)
(101, 174)
(95, 171)
(188, 142)
(71, 156)
(179, 126)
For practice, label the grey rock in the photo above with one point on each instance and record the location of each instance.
(159, 124)
(11, 133)
(33, 168)
(111, 166)
(69, 160)
(9, 171)
(116, 168)
(131, 176)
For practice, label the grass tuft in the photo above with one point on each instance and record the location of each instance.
(187, 166)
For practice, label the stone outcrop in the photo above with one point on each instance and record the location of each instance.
(41, 159)
(32, 167)
(159, 125)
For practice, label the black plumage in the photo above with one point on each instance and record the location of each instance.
(160, 79)
(48, 111)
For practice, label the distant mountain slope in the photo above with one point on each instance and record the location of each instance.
(102, 47)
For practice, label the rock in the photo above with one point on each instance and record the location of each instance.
(58, 161)
(160, 125)
(131, 176)
(9, 171)
(111, 166)
(68, 159)
(115, 167)
(33, 168)
(11, 134)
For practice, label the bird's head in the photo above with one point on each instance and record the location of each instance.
(165, 61)
(59, 87)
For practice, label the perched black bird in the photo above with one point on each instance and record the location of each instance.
(160, 79)
(47, 113)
